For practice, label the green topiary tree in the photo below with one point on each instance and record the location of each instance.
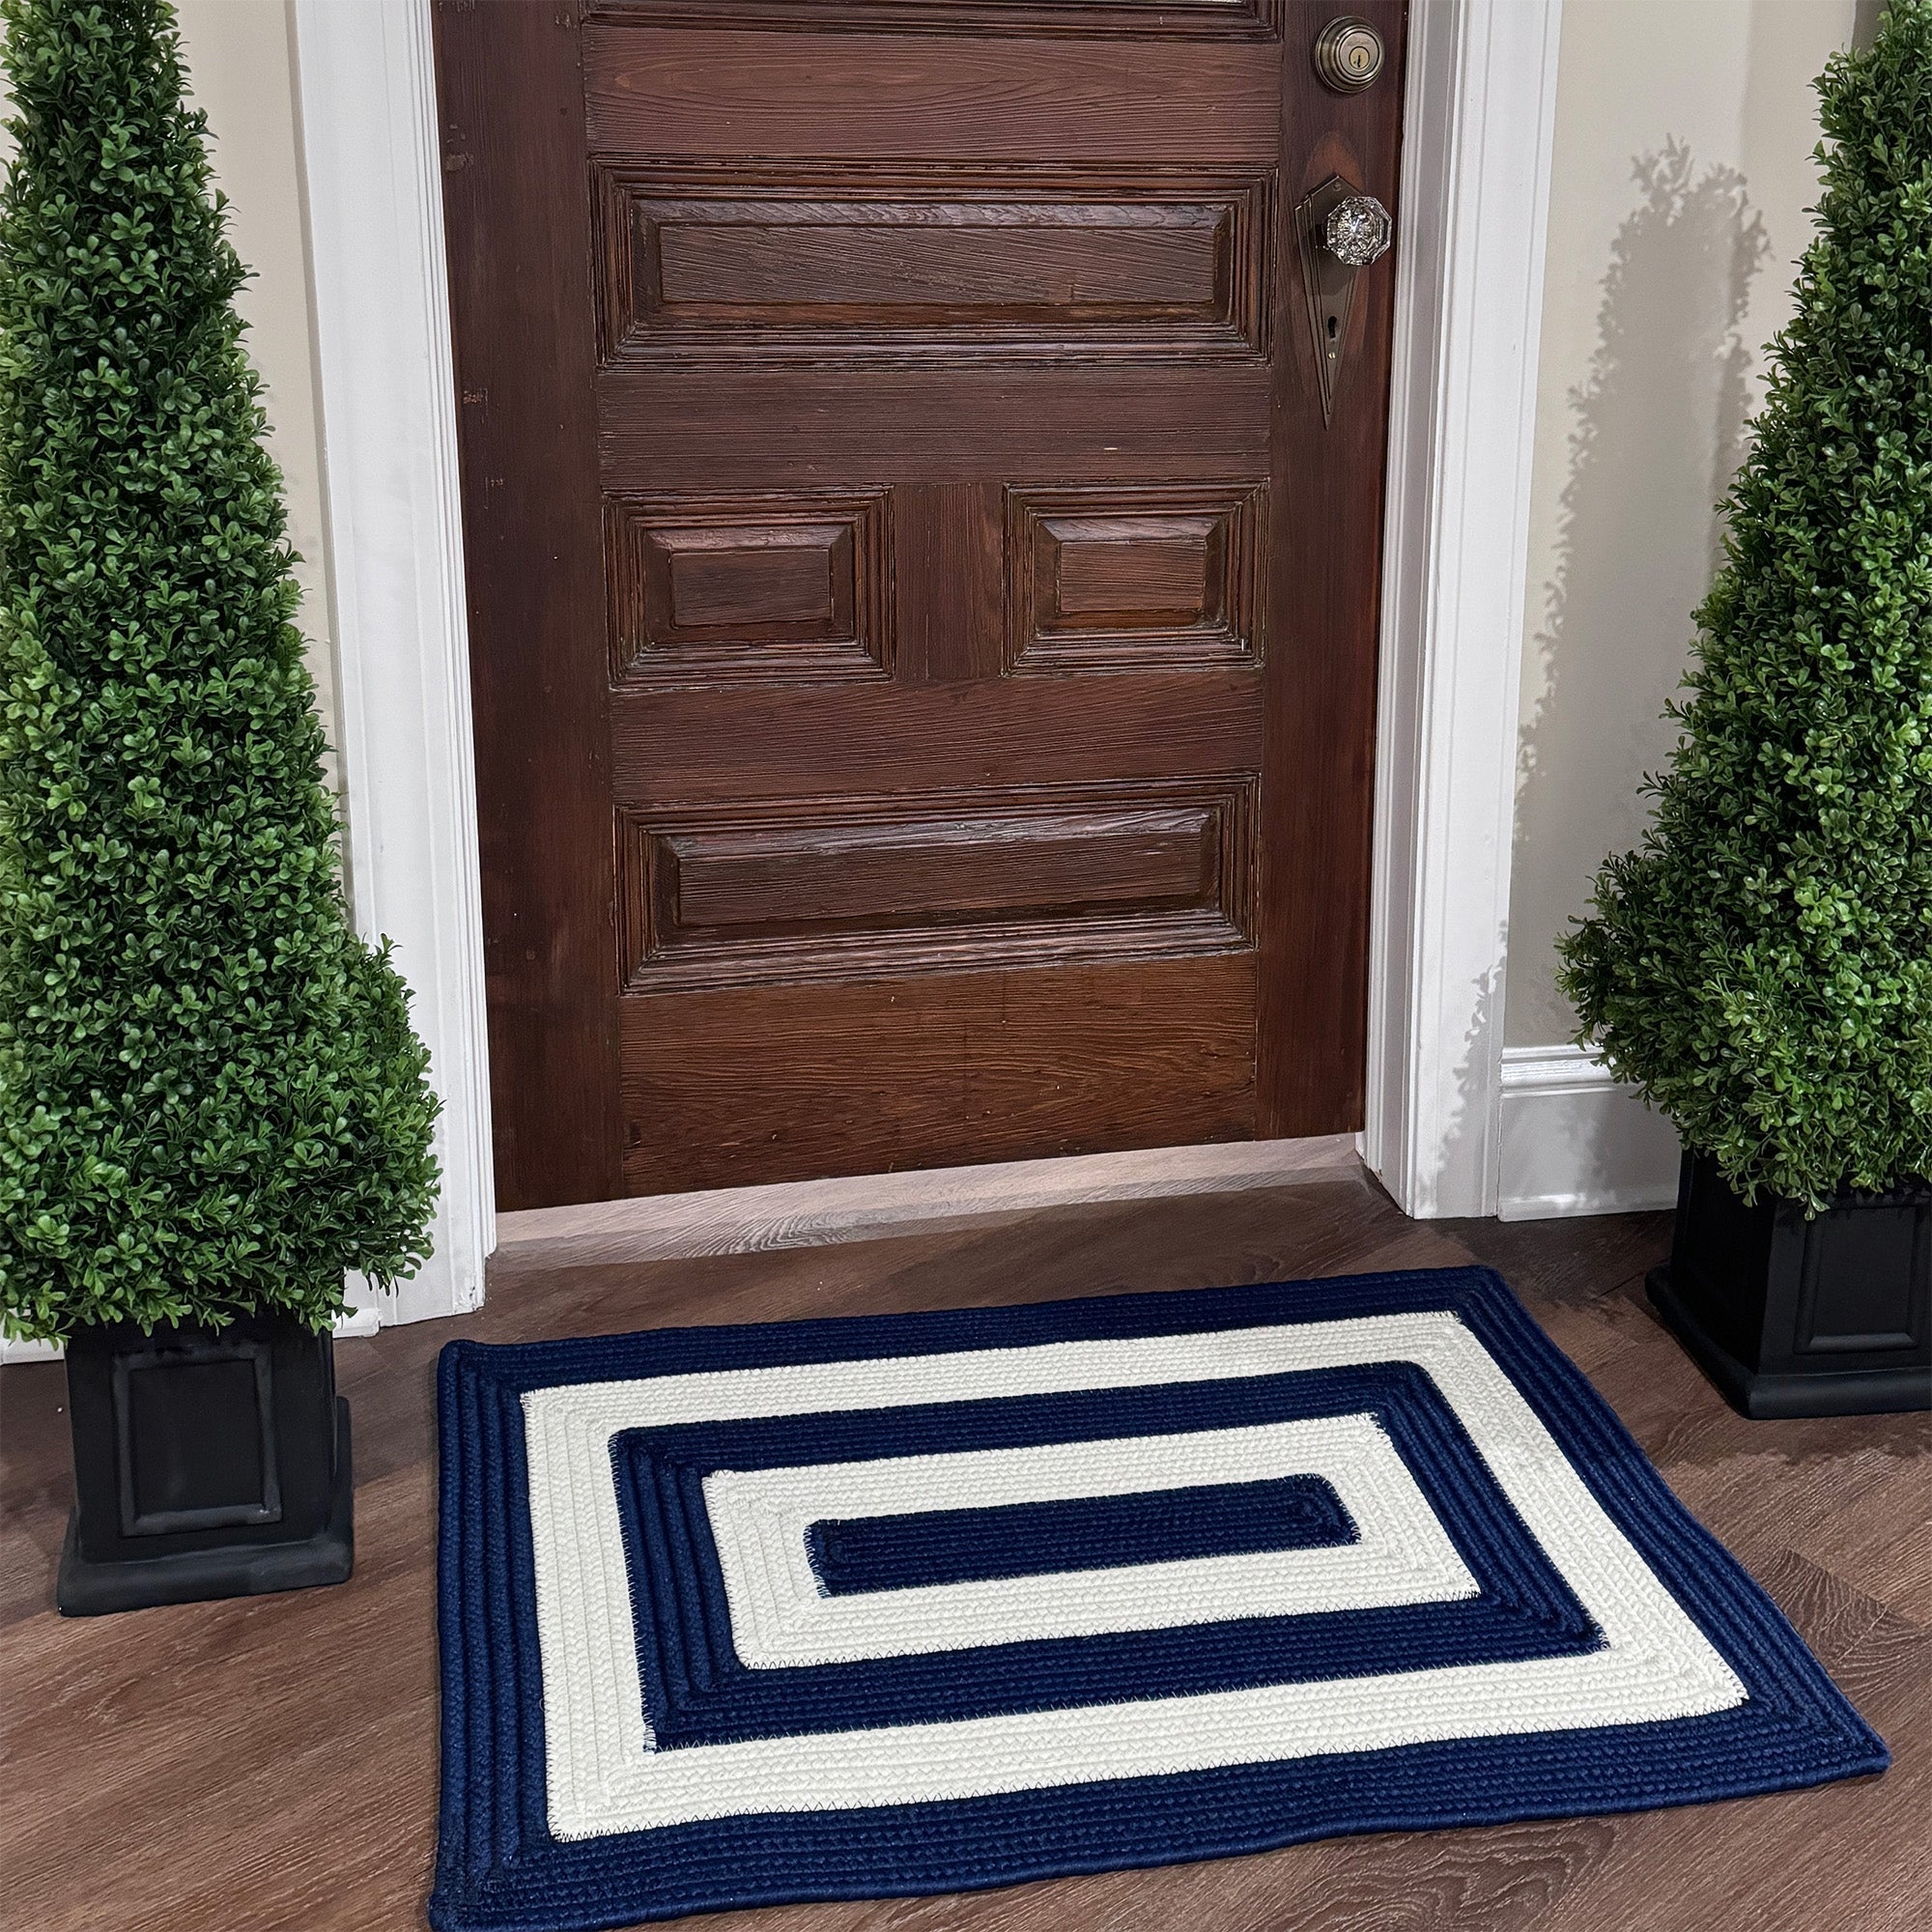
(210, 1099)
(1763, 964)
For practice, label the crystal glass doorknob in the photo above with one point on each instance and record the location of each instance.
(1357, 229)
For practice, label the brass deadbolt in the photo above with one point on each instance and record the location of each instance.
(1348, 54)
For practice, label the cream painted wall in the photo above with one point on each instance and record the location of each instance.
(1680, 182)
(240, 58)
(240, 62)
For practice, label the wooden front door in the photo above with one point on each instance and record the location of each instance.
(923, 625)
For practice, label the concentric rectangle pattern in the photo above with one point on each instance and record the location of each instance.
(662, 1694)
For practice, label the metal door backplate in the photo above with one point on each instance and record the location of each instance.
(1328, 284)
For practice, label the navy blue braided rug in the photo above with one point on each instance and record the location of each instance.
(819, 1609)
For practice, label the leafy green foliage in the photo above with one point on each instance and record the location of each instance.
(211, 1099)
(1763, 964)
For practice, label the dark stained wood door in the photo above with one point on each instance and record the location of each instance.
(923, 627)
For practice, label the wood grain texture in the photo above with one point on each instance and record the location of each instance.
(949, 611)
(1324, 610)
(792, 586)
(683, 429)
(950, 444)
(517, 209)
(1138, 577)
(862, 97)
(790, 1082)
(263, 1764)
(860, 1207)
(1217, 19)
(700, 746)
(930, 881)
(764, 262)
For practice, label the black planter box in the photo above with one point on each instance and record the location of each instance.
(205, 1463)
(1790, 1316)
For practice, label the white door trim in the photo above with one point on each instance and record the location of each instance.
(1475, 197)
(1475, 191)
(367, 98)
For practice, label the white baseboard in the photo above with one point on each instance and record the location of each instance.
(11, 1350)
(358, 1322)
(1576, 1141)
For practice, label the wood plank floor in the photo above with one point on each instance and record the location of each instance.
(271, 1763)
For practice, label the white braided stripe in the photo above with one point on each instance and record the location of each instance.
(605, 1776)
(780, 1617)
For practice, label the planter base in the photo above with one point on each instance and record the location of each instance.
(88, 1589)
(1766, 1396)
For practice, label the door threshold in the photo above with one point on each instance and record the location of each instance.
(815, 1213)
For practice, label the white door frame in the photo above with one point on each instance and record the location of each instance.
(1481, 93)
(1475, 203)
(385, 372)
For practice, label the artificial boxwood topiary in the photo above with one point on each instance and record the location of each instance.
(1763, 964)
(211, 1099)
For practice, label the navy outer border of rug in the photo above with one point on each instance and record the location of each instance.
(499, 1870)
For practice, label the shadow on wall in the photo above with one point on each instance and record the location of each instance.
(1467, 1139)
(1659, 428)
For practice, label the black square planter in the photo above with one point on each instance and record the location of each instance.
(205, 1463)
(1790, 1316)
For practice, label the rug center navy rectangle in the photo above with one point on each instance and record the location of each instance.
(920, 1603)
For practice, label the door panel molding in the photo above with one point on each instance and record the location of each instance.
(1480, 101)
(1134, 577)
(793, 586)
(1246, 19)
(764, 262)
(804, 890)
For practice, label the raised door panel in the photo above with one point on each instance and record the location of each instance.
(1135, 576)
(761, 261)
(811, 890)
(775, 586)
(1243, 19)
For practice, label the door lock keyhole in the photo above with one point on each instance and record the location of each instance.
(1348, 55)
(1342, 232)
